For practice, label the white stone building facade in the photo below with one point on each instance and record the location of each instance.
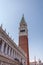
(10, 53)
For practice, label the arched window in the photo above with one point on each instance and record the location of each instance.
(8, 50)
(13, 52)
(21, 63)
(4, 47)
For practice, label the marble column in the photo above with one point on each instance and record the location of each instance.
(1, 63)
(6, 48)
(12, 53)
(2, 47)
(15, 54)
(9, 50)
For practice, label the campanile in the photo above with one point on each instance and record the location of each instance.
(23, 37)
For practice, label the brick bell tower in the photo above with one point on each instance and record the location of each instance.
(23, 37)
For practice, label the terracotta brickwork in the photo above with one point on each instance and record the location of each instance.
(23, 43)
(23, 38)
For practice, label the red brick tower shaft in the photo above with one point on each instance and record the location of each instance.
(23, 38)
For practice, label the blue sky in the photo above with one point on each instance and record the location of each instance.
(11, 12)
